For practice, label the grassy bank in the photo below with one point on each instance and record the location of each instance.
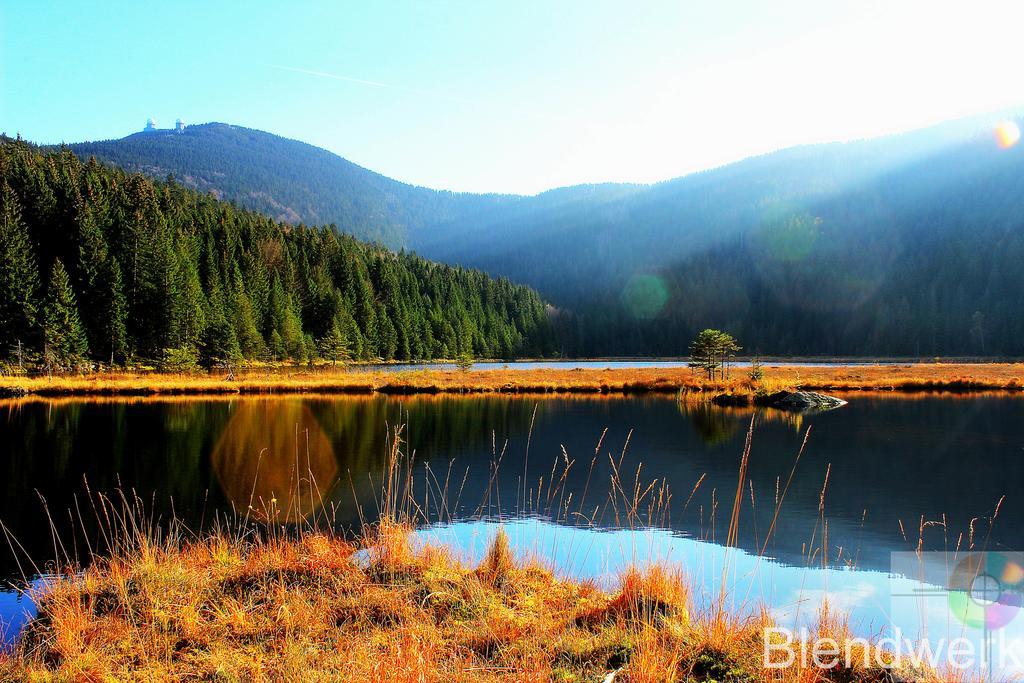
(256, 600)
(384, 609)
(904, 378)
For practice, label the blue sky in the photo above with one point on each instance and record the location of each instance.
(513, 97)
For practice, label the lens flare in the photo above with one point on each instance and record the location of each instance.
(644, 296)
(274, 456)
(1007, 134)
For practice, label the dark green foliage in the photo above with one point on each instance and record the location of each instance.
(711, 351)
(64, 344)
(185, 359)
(464, 362)
(19, 277)
(334, 346)
(164, 274)
(903, 246)
(756, 373)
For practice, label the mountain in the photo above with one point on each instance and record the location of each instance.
(285, 179)
(902, 245)
(100, 264)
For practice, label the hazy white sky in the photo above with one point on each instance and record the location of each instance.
(518, 96)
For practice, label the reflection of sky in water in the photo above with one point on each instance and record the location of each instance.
(878, 604)
(15, 611)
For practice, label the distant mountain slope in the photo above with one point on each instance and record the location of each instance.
(286, 180)
(898, 245)
(893, 246)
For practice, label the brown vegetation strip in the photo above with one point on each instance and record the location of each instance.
(904, 378)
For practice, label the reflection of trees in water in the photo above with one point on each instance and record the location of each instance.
(189, 429)
(140, 447)
(433, 427)
(444, 424)
(274, 455)
(60, 449)
(432, 424)
(34, 429)
(716, 425)
(712, 424)
(895, 458)
(342, 444)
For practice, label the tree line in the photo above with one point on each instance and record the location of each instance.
(102, 266)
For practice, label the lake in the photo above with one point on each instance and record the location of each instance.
(876, 477)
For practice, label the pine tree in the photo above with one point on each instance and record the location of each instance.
(19, 277)
(333, 346)
(103, 305)
(186, 305)
(276, 346)
(219, 341)
(64, 340)
(114, 313)
(711, 349)
(220, 345)
(243, 318)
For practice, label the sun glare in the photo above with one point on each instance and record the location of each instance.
(1007, 134)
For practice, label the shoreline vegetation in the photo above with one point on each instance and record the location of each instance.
(388, 608)
(686, 382)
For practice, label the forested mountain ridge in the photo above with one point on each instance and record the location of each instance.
(98, 263)
(902, 245)
(285, 179)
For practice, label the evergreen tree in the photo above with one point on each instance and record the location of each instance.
(19, 278)
(220, 345)
(186, 305)
(711, 350)
(113, 312)
(333, 346)
(64, 341)
(243, 317)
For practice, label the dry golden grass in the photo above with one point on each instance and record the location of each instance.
(316, 607)
(904, 378)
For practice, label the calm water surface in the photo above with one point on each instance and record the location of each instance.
(614, 364)
(886, 466)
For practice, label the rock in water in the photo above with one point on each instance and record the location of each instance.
(801, 401)
(733, 400)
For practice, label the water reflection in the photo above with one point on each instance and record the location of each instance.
(274, 457)
(893, 464)
(712, 424)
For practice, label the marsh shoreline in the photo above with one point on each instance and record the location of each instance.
(906, 378)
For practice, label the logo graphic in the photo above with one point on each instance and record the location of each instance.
(986, 590)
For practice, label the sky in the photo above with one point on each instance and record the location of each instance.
(511, 96)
